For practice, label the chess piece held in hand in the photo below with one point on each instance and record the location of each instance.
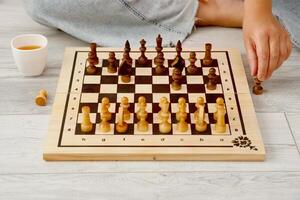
(257, 88)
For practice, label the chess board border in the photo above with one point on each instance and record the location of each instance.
(206, 152)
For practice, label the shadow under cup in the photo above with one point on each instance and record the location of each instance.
(30, 62)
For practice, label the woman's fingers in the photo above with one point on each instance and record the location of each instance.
(252, 57)
(263, 55)
(275, 54)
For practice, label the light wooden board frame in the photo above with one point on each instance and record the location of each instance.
(192, 147)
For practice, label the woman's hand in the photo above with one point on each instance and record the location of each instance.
(267, 43)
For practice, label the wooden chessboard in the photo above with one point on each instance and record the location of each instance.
(65, 141)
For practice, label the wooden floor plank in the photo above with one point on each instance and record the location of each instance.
(200, 185)
(294, 123)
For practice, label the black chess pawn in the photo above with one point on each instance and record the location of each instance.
(159, 62)
(143, 59)
(192, 68)
(177, 77)
(257, 88)
(212, 79)
(112, 63)
(207, 60)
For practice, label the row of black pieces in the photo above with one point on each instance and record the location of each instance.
(149, 64)
(131, 88)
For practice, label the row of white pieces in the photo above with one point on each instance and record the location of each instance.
(94, 97)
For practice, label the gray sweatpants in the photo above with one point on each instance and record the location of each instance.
(111, 22)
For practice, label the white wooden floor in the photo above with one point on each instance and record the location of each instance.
(24, 174)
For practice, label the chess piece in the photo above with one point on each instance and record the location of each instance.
(105, 115)
(199, 115)
(127, 47)
(41, 98)
(164, 114)
(181, 115)
(91, 69)
(207, 60)
(86, 125)
(181, 107)
(212, 79)
(92, 56)
(125, 105)
(121, 125)
(104, 124)
(142, 114)
(112, 63)
(176, 76)
(92, 59)
(143, 59)
(257, 88)
(219, 103)
(159, 62)
(125, 68)
(220, 126)
(178, 62)
(192, 68)
(105, 104)
(158, 47)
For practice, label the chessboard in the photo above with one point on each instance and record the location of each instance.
(77, 89)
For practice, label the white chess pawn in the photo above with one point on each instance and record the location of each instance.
(164, 114)
(125, 104)
(199, 115)
(181, 115)
(105, 104)
(86, 125)
(104, 124)
(181, 107)
(121, 125)
(220, 126)
(219, 103)
(142, 114)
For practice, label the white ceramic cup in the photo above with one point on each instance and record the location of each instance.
(30, 62)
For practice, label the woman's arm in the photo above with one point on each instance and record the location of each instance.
(267, 42)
